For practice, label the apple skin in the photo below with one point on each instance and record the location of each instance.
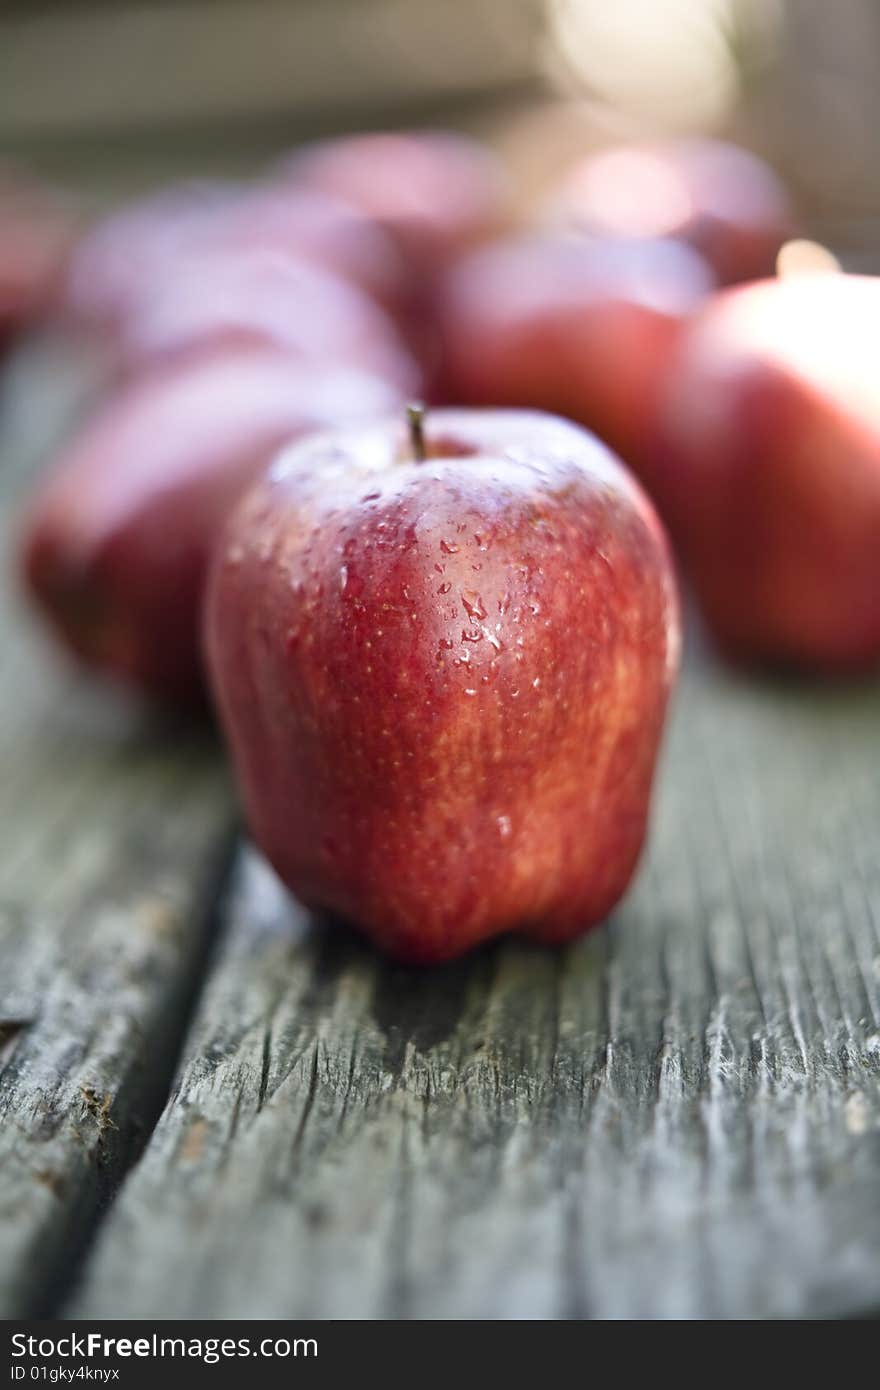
(316, 227)
(116, 541)
(444, 682)
(582, 329)
(435, 192)
(130, 247)
(723, 200)
(770, 480)
(125, 255)
(261, 297)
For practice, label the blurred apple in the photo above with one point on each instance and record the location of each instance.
(117, 539)
(315, 226)
(771, 475)
(583, 329)
(134, 248)
(435, 192)
(721, 199)
(206, 299)
(130, 247)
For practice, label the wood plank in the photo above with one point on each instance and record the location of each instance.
(679, 1116)
(111, 831)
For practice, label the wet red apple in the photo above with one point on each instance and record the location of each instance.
(771, 477)
(117, 539)
(584, 329)
(435, 192)
(721, 199)
(442, 659)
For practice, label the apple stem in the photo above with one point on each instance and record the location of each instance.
(415, 415)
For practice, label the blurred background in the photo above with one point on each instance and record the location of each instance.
(112, 96)
(560, 188)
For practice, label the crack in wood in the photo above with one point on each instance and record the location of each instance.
(10, 1028)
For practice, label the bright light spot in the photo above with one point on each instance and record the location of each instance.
(820, 328)
(802, 257)
(631, 193)
(670, 61)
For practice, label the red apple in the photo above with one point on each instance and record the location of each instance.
(584, 329)
(133, 249)
(443, 664)
(435, 192)
(132, 246)
(722, 200)
(209, 298)
(771, 480)
(117, 539)
(314, 226)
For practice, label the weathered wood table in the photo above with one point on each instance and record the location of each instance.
(212, 1106)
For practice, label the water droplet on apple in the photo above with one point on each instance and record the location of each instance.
(371, 496)
(504, 827)
(473, 604)
(351, 584)
(449, 547)
(468, 691)
(446, 644)
(444, 588)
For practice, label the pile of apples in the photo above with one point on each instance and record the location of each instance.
(441, 639)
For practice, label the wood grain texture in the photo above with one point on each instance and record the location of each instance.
(110, 834)
(677, 1117)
